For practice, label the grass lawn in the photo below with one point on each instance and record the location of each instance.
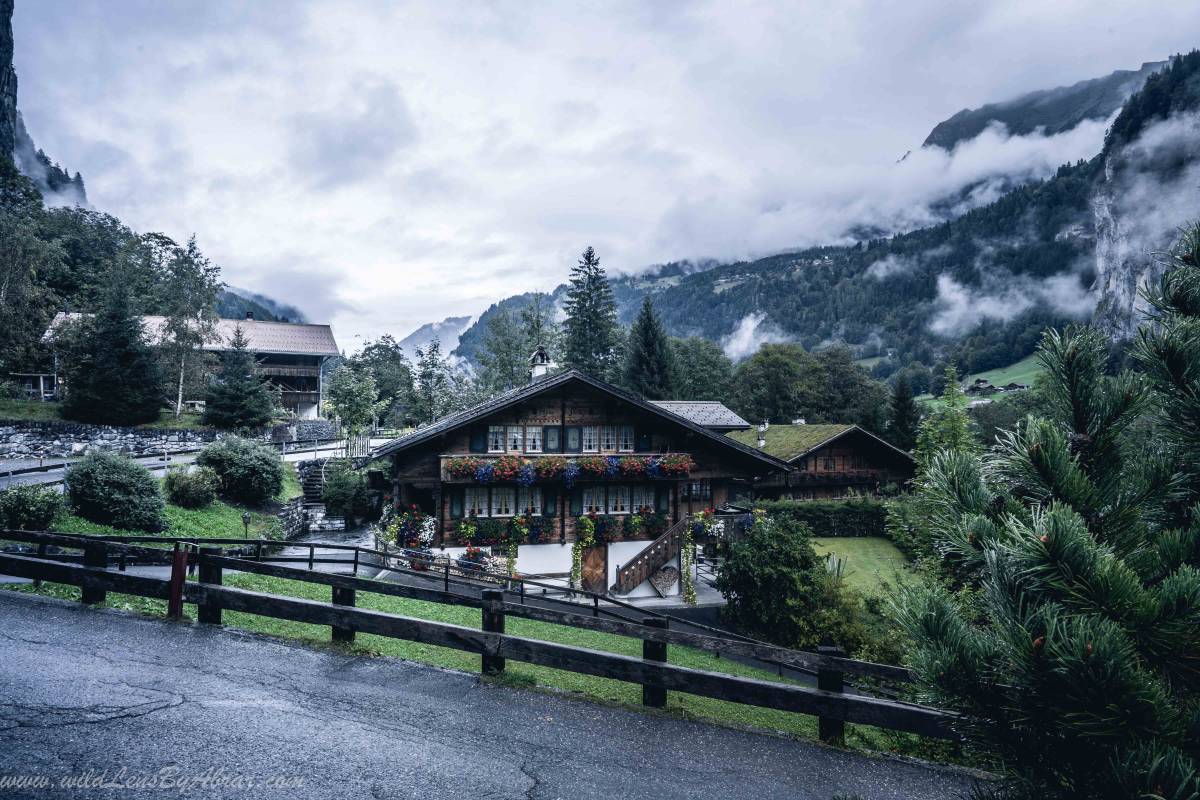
(870, 561)
(1024, 371)
(526, 675)
(33, 410)
(218, 520)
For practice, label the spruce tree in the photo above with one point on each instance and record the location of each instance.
(238, 399)
(112, 374)
(649, 359)
(591, 323)
(1074, 659)
(904, 419)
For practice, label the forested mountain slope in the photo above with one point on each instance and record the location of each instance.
(978, 288)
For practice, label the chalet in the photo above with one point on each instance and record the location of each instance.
(289, 355)
(564, 446)
(827, 461)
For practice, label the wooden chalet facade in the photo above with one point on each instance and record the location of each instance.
(565, 446)
(828, 461)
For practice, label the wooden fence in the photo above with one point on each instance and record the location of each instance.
(828, 701)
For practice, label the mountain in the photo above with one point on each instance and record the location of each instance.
(58, 187)
(979, 288)
(446, 332)
(1052, 110)
(234, 303)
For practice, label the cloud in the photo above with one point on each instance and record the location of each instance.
(431, 158)
(341, 146)
(751, 333)
(958, 309)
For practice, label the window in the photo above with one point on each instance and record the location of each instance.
(495, 438)
(529, 500)
(553, 443)
(572, 437)
(642, 498)
(699, 490)
(626, 445)
(618, 500)
(829, 465)
(591, 441)
(503, 499)
(533, 439)
(608, 438)
(593, 500)
(516, 438)
(475, 502)
(803, 465)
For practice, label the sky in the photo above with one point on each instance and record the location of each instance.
(386, 164)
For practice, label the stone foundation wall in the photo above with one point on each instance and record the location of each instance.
(26, 439)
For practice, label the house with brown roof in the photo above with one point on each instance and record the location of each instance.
(566, 447)
(828, 461)
(289, 355)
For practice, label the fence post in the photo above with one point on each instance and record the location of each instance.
(95, 554)
(312, 549)
(654, 696)
(355, 561)
(493, 622)
(179, 559)
(209, 612)
(446, 577)
(831, 679)
(41, 553)
(343, 597)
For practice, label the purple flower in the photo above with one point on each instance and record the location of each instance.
(526, 475)
(570, 474)
(612, 466)
(484, 473)
(652, 467)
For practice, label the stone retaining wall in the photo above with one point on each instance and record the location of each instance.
(26, 439)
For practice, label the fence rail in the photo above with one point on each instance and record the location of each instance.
(828, 701)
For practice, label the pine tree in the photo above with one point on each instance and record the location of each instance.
(504, 357)
(238, 399)
(432, 379)
(949, 426)
(902, 426)
(649, 359)
(112, 374)
(591, 318)
(1075, 662)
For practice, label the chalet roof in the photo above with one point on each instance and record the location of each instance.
(291, 338)
(709, 413)
(514, 396)
(791, 442)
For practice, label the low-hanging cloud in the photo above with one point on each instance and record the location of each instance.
(751, 332)
(958, 309)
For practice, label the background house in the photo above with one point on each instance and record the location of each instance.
(290, 356)
(827, 461)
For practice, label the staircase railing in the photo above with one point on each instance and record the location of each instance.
(648, 561)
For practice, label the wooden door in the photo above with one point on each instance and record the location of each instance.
(593, 571)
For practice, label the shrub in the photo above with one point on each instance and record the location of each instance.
(856, 516)
(345, 493)
(776, 588)
(194, 489)
(114, 490)
(247, 472)
(29, 508)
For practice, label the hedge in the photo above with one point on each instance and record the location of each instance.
(857, 516)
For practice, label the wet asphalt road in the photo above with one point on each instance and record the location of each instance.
(93, 693)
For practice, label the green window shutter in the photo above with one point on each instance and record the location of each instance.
(456, 504)
(549, 502)
(573, 439)
(663, 500)
(642, 437)
(551, 439)
(478, 439)
(576, 502)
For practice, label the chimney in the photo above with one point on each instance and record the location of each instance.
(539, 365)
(249, 315)
(762, 435)
(798, 421)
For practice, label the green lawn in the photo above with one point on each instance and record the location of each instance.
(1024, 371)
(870, 561)
(218, 520)
(526, 675)
(33, 410)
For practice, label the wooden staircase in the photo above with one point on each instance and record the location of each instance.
(650, 559)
